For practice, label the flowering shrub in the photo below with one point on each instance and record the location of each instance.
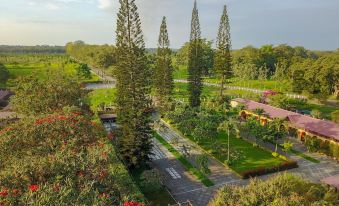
(61, 158)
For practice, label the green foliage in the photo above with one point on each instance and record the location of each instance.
(64, 159)
(280, 101)
(195, 64)
(335, 116)
(163, 75)
(4, 74)
(133, 87)
(241, 156)
(182, 55)
(103, 56)
(34, 96)
(151, 181)
(222, 61)
(83, 71)
(284, 190)
(202, 161)
(316, 114)
(315, 144)
(287, 146)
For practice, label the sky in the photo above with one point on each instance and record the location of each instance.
(309, 23)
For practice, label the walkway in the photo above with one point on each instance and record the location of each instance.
(188, 188)
(198, 194)
(258, 91)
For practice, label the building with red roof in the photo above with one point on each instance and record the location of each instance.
(305, 125)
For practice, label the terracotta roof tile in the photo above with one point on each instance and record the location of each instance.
(320, 127)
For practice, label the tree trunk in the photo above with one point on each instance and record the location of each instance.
(222, 86)
(228, 149)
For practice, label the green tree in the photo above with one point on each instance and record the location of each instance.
(4, 74)
(195, 61)
(222, 61)
(34, 96)
(316, 113)
(287, 146)
(133, 87)
(229, 126)
(83, 71)
(163, 81)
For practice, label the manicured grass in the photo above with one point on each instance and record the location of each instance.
(159, 198)
(255, 157)
(300, 154)
(101, 96)
(189, 167)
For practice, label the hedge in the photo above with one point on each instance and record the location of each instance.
(263, 171)
(326, 147)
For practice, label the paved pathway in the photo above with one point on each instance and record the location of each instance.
(188, 187)
(258, 91)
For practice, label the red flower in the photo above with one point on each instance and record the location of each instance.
(104, 195)
(34, 188)
(4, 193)
(15, 191)
(103, 174)
(110, 136)
(80, 174)
(133, 204)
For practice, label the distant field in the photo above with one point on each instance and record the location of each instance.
(181, 73)
(22, 65)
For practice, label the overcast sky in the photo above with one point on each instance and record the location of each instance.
(313, 24)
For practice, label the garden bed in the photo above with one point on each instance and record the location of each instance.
(256, 161)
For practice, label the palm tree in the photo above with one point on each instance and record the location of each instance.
(278, 129)
(228, 126)
(259, 112)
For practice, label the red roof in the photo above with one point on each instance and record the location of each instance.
(333, 180)
(319, 127)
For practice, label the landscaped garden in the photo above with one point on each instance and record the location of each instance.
(206, 127)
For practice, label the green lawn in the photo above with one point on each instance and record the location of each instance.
(101, 96)
(189, 167)
(255, 157)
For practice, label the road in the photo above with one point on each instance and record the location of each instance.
(257, 91)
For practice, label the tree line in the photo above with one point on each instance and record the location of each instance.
(40, 49)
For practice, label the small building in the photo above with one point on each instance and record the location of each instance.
(302, 125)
(332, 181)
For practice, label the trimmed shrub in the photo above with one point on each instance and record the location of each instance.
(262, 171)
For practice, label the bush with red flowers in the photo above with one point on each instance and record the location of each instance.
(61, 159)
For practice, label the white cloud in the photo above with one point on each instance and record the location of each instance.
(51, 6)
(105, 4)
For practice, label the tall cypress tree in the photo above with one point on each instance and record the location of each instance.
(163, 81)
(195, 58)
(222, 59)
(133, 87)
